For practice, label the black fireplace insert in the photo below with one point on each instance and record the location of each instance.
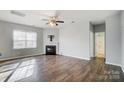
(50, 50)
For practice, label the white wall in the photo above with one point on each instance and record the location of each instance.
(122, 29)
(51, 31)
(74, 40)
(6, 40)
(113, 40)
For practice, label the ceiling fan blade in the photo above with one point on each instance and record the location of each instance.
(47, 23)
(45, 19)
(60, 21)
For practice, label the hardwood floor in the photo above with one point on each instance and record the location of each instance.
(57, 68)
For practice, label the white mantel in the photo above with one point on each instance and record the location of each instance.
(51, 31)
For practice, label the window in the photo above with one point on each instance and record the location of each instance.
(24, 39)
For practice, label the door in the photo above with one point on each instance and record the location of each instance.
(100, 44)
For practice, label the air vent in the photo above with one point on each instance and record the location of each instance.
(17, 13)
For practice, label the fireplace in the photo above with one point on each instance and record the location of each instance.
(50, 50)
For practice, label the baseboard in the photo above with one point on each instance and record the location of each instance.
(76, 57)
(113, 64)
(116, 65)
(19, 57)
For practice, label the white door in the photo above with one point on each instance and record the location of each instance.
(100, 44)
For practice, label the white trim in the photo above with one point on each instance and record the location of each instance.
(116, 65)
(113, 64)
(20, 57)
(76, 57)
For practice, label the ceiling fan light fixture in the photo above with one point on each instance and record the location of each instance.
(53, 21)
(52, 24)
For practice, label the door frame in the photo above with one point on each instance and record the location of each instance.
(91, 25)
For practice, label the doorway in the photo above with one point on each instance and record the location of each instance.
(97, 40)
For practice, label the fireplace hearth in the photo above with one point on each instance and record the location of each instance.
(50, 50)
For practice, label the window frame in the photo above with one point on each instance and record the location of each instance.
(25, 40)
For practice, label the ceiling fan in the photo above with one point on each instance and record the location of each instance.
(52, 20)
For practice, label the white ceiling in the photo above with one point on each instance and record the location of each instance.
(34, 17)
